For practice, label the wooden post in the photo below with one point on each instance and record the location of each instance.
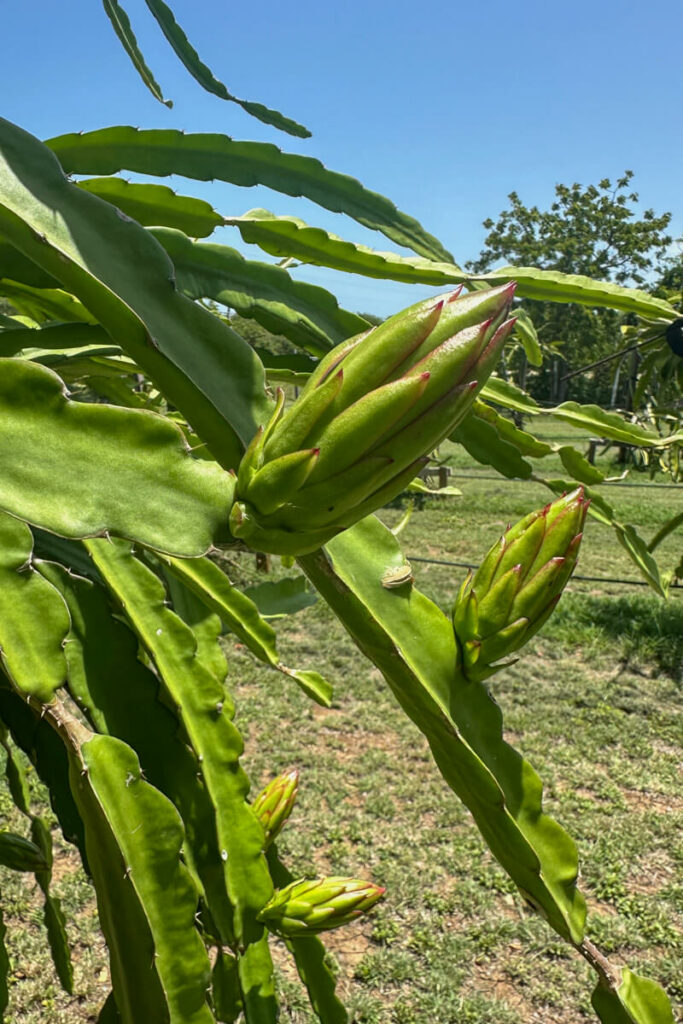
(262, 561)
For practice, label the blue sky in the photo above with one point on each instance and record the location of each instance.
(442, 107)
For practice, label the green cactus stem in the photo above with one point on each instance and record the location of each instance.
(21, 854)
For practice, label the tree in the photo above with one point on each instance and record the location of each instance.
(670, 284)
(591, 231)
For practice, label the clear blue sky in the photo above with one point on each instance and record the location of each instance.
(445, 108)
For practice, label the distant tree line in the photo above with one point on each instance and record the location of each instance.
(592, 231)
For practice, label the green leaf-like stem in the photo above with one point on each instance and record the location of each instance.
(200, 364)
(202, 74)
(121, 25)
(304, 313)
(412, 643)
(205, 709)
(98, 469)
(34, 620)
(208, 156)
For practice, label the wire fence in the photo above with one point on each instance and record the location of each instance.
(522, 480)
(456, 475)
(575, 576)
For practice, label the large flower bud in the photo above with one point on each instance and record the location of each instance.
(317, 905)
(518, 585)
(369, 416)
(274, 803)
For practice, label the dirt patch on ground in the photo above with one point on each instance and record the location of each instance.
(599, 908)
(347, 946)
(644, 801)
(356, 742)
(321, 714)
(489, 979)
(512, 738)
(652, 874)
(65, 862)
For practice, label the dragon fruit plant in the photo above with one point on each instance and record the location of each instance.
(140, 432)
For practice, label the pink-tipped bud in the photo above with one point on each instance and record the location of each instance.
(274, 803)
(518, 584)
(316, 905)
(394, 393)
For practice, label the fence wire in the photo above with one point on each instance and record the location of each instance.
(575, 576)
(522, 480)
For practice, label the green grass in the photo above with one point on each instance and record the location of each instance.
(594, 704)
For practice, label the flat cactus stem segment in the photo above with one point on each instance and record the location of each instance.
(412, 643)
(33, 734)
(120, 697)
(205, 713)
(136, 477)
(211, 156)
(145, 895)
(213, 590)
(629, 998)
(34, 620)
(306, 314)
(235, 609)
(205, 624)
(202, 366)
(20, 854)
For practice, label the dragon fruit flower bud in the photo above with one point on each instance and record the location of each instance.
(370, 414)
(518, 584)
(315, 905)
(275, 802)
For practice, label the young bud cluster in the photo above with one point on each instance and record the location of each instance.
(518, 585)
(365, 423)
(316, 905)
(274, 803)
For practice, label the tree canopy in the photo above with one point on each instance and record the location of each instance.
(594, 230)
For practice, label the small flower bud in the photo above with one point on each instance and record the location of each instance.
(518, 584)
(316, 905)
(274, 803)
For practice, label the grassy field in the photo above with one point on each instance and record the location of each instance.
(594, 704)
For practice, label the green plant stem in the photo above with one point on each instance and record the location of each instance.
(664, 532)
